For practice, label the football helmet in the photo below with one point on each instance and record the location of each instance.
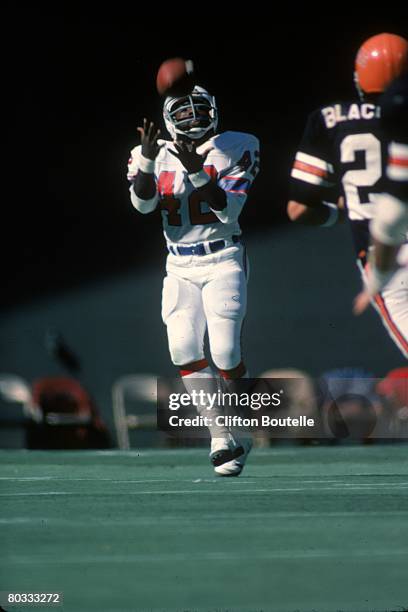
(202, 118)
(380, 60)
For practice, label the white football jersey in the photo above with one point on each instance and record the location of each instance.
(233, 162)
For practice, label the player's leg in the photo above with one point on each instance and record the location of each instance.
(224, 300)
(392, 305)
(183, 315)
(198, 377)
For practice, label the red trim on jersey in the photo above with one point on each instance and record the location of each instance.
(310, 169)
(194, 366)
(398, 161)
(211, 171)
(237, 372)
(390, 323)
(165, 184)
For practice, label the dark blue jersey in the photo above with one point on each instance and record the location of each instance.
(341, 153)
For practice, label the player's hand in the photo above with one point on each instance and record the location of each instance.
(148, 139)
(188, 156)
(361, 303)
(341, 205)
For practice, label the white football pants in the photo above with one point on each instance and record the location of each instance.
(392, 303)
(206, 292)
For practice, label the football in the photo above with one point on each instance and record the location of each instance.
(175, 77)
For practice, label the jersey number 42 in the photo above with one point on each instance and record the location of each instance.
(172, 205)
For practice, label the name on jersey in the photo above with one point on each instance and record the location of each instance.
(336, 114)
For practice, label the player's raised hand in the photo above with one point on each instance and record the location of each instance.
(361, 303)
(188, 156)
(148, 139)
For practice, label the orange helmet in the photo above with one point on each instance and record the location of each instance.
(380, 60)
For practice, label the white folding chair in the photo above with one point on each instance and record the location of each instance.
(141, 390)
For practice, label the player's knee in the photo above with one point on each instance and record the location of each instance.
(226, 356)
(184, 346)
(225, 342)
(183, 353)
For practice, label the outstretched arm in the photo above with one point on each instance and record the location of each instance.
(143, 194)
(324, 214)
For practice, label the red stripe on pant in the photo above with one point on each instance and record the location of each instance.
(390, 323)
(234, 373)
(194, 366)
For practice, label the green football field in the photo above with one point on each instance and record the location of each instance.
(319, 529)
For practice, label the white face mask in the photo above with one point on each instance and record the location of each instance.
(198, 98)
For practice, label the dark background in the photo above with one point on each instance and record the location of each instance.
(81, 84)
(77, 257)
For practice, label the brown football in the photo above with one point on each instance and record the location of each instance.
(175, 77)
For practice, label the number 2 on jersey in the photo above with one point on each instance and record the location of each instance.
(363, 177)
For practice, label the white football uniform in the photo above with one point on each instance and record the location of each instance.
(187, 219)
(206, 290)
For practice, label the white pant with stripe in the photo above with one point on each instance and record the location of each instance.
(392, 303)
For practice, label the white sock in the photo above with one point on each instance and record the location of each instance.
(232, 385)
(205, 380)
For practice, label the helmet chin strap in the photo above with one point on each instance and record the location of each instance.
(195, 133)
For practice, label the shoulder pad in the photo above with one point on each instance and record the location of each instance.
(232, 142)
(163, 149)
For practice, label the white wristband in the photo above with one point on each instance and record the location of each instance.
(333, 214)
(199, 179)
(146, 165)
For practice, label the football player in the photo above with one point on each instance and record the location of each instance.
(389, 227)
(200, 181)
(341, 158)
